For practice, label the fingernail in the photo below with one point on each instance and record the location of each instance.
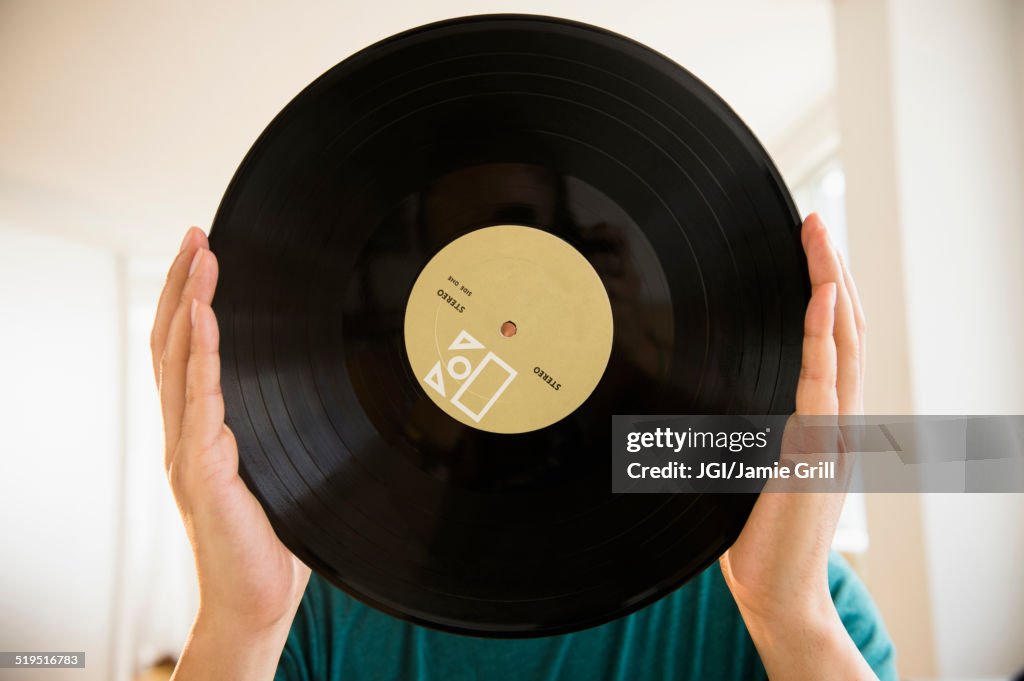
(193, 311)
(195, 261)
(184, 241)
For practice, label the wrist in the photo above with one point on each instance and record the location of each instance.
(813, 619)
(258, 610)
(215, 620)
(781, 598)
(809, 642)
(223, 647)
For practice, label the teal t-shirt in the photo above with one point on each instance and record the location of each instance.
(696, 632)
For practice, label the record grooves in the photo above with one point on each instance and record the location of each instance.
(380, 224)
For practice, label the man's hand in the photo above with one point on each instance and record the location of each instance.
(778, 568)
(249, 583)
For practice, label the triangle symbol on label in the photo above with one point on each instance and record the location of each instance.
(435, 379)
(465, 342)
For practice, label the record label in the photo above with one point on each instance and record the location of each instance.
(508, 329)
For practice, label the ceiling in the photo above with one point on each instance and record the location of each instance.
(122, 122)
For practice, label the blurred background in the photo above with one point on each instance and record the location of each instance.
(121, 123)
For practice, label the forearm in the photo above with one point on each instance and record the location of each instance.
(808, 645)
(217, 650)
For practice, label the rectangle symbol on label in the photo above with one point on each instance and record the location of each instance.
(490, 387)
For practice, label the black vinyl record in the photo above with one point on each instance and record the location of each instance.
(377, 166)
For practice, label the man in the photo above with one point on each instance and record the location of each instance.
(777, 603)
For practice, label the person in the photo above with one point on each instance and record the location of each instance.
(779, 603)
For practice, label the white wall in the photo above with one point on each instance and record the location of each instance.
(976, 559)
(962, 208)
(961, 180)
(60, 419)
(930, 98)
(132, 116)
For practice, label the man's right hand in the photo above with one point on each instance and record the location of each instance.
(250, 585)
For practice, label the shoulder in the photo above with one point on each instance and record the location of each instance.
(861, 618)
(315, 633)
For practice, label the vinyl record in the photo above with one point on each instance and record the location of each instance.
(380, 237)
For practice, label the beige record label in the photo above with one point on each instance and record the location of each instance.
(508, 329)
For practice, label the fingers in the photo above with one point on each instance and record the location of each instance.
(824, 267)
(203, 418)
(816, 389)
(169, 297)
(200, 285)
(858, 318)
